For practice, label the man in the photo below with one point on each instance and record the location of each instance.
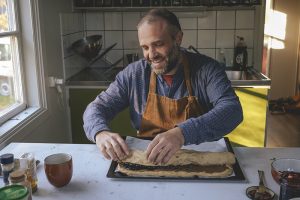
(176, 97)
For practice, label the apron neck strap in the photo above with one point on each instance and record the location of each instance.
(152, 86)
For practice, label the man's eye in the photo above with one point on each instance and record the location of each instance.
(159, 44)
(145, 48)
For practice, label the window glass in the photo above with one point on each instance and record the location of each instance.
(11, 95)
(7, 17)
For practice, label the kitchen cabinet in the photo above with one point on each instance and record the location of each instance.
(251, 132)
(78, 100)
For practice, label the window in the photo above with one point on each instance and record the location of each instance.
(11, 90)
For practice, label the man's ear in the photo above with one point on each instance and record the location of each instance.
(179, 37)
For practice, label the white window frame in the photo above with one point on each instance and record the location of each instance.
(16, 53)
(31, 58)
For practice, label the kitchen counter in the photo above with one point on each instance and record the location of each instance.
(97, 76)
(248, 78)
(89, 177)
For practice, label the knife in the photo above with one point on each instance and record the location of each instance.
(102, 54)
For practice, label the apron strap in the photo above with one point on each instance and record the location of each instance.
(187, 76)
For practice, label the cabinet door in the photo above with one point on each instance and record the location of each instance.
(251, 132)
(78, 100)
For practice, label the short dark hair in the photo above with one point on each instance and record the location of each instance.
(157, 14)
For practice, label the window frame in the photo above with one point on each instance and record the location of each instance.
(16, 108)
(20, 125)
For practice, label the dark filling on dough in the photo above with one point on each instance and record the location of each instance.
(187, 168)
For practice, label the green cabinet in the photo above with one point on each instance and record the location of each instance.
(78, 100)
(251, 132)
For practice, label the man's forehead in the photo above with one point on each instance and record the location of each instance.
(157, 23)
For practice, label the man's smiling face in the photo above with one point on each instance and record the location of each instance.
(159, 48)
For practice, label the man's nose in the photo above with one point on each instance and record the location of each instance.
(152, 53)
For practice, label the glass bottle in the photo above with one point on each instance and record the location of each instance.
(7, 165)
(30, 169)
(19, 178)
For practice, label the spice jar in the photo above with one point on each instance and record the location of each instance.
(14, 192)
(30, 169)
(7, 165)
(19, 178)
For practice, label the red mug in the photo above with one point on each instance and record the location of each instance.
(58, 169)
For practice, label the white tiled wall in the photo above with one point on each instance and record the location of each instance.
(208, 31)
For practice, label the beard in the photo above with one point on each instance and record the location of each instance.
(166, 63)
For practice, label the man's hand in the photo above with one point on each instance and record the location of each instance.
(165, 145)
(112, 145)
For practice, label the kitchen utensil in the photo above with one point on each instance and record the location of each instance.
(101, 54)
(88, 47)
(58, 169)
(260, 192)
(112, 66)
(286, 172)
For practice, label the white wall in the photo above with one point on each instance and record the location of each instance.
(54, 127)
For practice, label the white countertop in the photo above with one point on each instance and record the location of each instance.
(89, 179)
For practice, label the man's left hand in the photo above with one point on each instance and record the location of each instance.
(165, 145)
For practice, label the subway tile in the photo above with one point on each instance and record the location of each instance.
(114, 37)
(188, 23)
(208, 21)
(79, 19)
(225, 39)
(130, 20)
(130, 40)
(113, 20)
(189, 38)
(225, 19)
(245, 19)
(65, 21)
(250, 56)
(208, 52)
(94, 21)
(247, 35)
(206, 38)
(73, 65)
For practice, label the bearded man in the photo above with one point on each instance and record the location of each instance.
(174, 96)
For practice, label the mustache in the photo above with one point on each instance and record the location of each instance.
(156, 58)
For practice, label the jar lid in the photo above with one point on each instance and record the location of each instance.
(7, 158)
(16, 176)
(13, 192)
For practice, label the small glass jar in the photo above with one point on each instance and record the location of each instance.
(7, 165)
(14, 192)
(30, 167)
(19, 178)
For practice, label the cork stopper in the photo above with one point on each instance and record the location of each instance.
(17, 176)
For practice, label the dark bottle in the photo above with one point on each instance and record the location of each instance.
(240, 58)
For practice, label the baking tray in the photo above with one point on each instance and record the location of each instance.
(238, 173)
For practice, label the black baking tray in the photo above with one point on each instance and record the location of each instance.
(238, 173)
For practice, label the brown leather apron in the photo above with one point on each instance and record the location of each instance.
(163, 113)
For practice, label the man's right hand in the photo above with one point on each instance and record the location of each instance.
(112, 145)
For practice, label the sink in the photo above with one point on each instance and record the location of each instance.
(236, 75)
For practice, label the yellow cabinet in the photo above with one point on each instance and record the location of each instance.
(251, 132)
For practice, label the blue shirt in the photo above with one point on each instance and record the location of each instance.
(210, 85)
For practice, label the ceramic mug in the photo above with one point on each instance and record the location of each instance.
(58, 169)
